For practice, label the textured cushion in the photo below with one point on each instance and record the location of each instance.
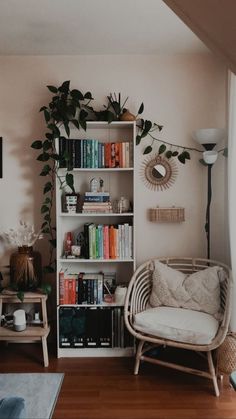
(12, 408)
(177, 324)
(199, 291)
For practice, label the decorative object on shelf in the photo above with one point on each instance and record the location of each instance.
(127, 116)
(94, 185)
(158, 172)
(25, 269)
(72, 200)
(25, 264)
(75, 250)
(123, 205)
(120, 294)
(166, 215)
(208, 138)
(19, 320)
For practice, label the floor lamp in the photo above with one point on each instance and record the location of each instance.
(208, 138)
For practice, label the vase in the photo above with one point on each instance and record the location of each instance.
(127, 116)
(25, 269)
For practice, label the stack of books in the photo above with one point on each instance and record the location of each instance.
(96, 202)
(92, 154)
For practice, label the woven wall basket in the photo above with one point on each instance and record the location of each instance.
(226, 354)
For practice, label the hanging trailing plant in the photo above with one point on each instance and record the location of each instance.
(66, 107)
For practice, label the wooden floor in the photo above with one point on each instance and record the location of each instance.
(107, 389)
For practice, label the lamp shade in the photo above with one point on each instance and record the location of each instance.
(210, 156)
(209, 137)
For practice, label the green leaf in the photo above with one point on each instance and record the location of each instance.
(45, 171)
(47, 288)
(147, 150)
(54, 129)
(225, 152)
(43, 108)
(43, 157)
(44, 224)
(187, 155)
(70, 181)
(76, 94)
(37, 144)
(76, 123)
(21, 295)
(67, 129)
(83, 124)
(138, 139)
(52, 89)
(168, 154)
(49, 136)
(44, 208)
(175, 153)
(47, 188)
(47, 145)
(55, 156)
(181, 158)
(147, 125)
(47, 218)
(141, 108)
(47, 116)
(64, 88)
(88, 95)
(162, 149)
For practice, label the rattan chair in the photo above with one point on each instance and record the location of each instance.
(137, 300)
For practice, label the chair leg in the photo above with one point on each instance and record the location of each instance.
(212, 372)
(138, 357)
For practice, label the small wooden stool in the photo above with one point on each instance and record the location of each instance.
(31, 333)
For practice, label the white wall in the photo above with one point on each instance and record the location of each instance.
(182, 92)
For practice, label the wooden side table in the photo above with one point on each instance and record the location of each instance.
(32, 333)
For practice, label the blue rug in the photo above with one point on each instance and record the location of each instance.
(40, 392)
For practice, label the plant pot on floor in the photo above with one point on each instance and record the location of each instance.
(25, 269)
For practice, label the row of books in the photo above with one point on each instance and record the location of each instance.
(93, 327)
(85, 288)
(108, 241)
(94, 154)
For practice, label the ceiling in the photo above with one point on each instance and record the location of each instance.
(71, 27)
(213, 21)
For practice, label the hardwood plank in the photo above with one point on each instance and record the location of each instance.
(105, 388)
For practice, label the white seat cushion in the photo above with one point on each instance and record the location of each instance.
(177, 324)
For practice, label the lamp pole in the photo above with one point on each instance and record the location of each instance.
(208, 210)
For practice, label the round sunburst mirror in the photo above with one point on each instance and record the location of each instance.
(158, 172)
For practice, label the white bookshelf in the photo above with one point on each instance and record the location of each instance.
(119, 182)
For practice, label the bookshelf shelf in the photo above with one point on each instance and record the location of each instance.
(97, 214)
(80, 260)
(114, 233)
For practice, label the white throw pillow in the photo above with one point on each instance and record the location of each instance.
(199, 291)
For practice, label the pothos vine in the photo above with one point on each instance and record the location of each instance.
(70, 107)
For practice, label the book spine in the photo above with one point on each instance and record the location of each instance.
(96, 199)
(61, 288)
(113, 155)
(127, 158)
(100, 155)
(96, 154)
(77, 154)
(106, 241)
(84, 153)
(117, 155)
(123, 155)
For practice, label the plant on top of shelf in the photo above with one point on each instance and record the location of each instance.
(70, 106)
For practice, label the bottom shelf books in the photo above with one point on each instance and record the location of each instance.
(93, 327)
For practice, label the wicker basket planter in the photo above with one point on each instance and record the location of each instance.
(226, 354)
